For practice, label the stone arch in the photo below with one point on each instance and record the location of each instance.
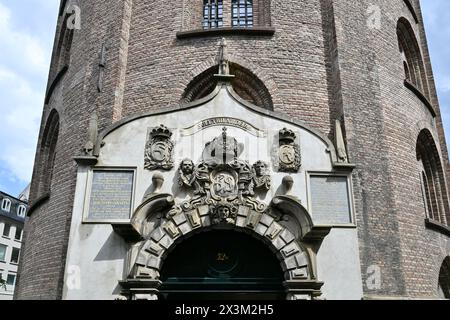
(444, 279)
(414, 68)
(266, 82)
(434, 182)
(47, 152)
(294, 259)
(64, 45)
(246, 84)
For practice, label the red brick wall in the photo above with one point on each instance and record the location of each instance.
(322, 63)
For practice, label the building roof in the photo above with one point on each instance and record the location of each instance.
(13, 212)
(25, 194)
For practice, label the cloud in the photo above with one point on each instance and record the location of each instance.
(21, 111)
(24, 63)
(443, 84)
(20, 49)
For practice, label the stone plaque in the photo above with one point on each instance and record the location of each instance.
(111, 195)
(330, 200)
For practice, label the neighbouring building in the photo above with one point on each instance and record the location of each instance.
(12, 217)
(239, 149)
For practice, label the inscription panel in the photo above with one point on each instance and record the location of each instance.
(330, 200)
(224, 121)
(111, 195)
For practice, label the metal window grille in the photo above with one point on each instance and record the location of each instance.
(242, 13)
(212, 14)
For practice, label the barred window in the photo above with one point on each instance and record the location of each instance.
(242, 13)
(212, 14)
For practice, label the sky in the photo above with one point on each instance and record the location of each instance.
(27, 29)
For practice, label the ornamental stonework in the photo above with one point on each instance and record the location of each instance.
(222, 181)
(288, 156)
(159, 149)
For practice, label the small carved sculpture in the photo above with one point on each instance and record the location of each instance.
(261, 175)
(288, 183)
(222, 150)
(289, 157)
(158, 181)
(101, 66)
(224, 213)
(340, 144)
(224, 67)
(190, 177)
(158, 151)
(92, 135)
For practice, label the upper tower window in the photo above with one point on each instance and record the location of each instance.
(227, 17)
(212, 14)
(242, 13)
(434, 186)
(413, 65)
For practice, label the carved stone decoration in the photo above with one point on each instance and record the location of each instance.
(224, 68)
(222, 150)
(171, 229)
(190, 177)
(224, 212)
(159, 148)
(261, 177)
(288, 155)
(194, 219)
(252, 219)
(92, 135)
(222, 182)
(288, 184)
(274, 230)
(224, 64)
(340, 143)
(101, 66)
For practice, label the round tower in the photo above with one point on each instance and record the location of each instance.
(310, 131)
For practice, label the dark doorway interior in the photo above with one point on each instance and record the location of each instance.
(222, 265)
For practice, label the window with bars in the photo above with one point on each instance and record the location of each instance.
(242, 13)
(212, 14)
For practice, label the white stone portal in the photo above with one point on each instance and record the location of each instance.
(220, 130)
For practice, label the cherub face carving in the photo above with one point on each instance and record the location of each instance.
(223, 212)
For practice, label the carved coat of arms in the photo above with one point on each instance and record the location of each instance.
(222, 181)
(159, 149)
(288, 156)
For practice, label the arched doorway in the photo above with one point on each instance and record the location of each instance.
(444, 280)
(222, 264)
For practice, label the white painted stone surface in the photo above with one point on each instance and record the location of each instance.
(99, 254)
(338, 265)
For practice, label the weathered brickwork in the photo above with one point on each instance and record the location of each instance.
(327, 60)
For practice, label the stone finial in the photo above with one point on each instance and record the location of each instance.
(224, 67)
(224, 63)
(288, 183)
(340, 144)
(92, 135)
(158, 181)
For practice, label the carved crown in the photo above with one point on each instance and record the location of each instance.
(162, 132)
(287, 135)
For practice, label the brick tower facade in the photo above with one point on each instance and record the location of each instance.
(360, 65)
